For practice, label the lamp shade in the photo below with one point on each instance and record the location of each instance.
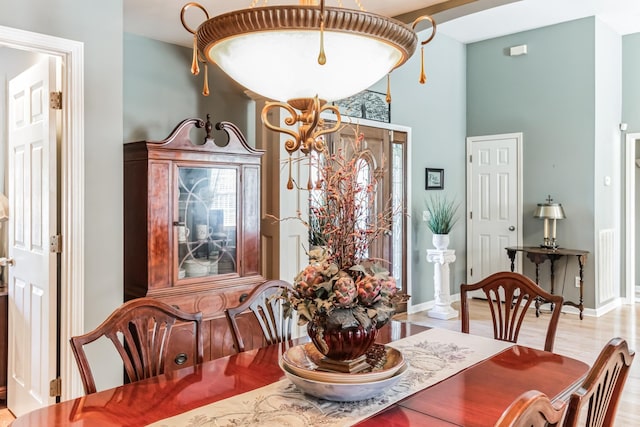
(273, 51)
(549, 211)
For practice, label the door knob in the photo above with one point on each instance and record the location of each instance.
(512, 228)
(6, 261)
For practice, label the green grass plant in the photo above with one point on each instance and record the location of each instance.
(442, 214)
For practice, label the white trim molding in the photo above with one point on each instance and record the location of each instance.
(71, 298)
(630, 216)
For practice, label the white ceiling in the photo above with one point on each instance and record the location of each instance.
(621, 15)
(160, 19)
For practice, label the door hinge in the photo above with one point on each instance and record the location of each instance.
(471, 272)
(470, 158)
(55, 244)
(470, 215)
(55, 387)
(55, 100)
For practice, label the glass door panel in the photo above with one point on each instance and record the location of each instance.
(207, 231)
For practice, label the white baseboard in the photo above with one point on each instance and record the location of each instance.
(411, 309)
(616, 302)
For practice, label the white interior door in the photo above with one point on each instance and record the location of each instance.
(494, 200)
(32, 219)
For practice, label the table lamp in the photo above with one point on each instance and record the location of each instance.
(549, 211)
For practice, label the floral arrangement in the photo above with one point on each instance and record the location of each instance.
(364, 294)
(341, 283)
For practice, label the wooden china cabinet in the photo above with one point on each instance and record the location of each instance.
(192, 227)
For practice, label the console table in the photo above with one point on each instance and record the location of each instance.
(539, 255)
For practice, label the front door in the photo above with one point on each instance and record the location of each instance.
(385, 161)
(32, 219)
(494, 200)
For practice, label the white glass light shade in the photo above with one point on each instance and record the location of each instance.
(284, 65)
(273, 51)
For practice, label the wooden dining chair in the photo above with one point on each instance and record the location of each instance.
(532, 409)
(267, 308)
(600, 392)
(519, 292)
(140, 330)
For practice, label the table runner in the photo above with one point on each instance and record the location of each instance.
(432, 355)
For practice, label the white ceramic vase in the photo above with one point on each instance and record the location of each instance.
(441, 241)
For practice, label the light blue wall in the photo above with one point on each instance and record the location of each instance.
(436, 114)
(98, 24)
(631, 82)
(160, 91)
(549, 95)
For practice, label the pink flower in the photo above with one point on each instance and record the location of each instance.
(308, 280)
(389, 286)
(369, 289)
(345, 291)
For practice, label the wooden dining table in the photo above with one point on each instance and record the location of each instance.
(475, 396)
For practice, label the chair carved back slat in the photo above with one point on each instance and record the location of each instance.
(139, 330)
(267, 307)
(600, 392)
(509, 296)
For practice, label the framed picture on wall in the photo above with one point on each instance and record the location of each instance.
(434, 179)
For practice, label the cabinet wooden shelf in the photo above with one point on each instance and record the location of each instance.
(192, 225)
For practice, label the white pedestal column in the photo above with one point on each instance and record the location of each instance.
(441, 260)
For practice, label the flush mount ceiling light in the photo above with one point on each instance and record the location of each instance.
(303, 56)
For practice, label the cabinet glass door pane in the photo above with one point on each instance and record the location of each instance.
(207, 231)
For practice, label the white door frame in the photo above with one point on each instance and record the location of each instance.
(630, 216)
(71, 169)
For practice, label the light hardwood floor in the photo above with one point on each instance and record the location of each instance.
(580, 339)
(6, 417)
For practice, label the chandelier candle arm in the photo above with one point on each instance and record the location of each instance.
(423, 75)
(195, 68)
(311, 124)
(310, 129)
